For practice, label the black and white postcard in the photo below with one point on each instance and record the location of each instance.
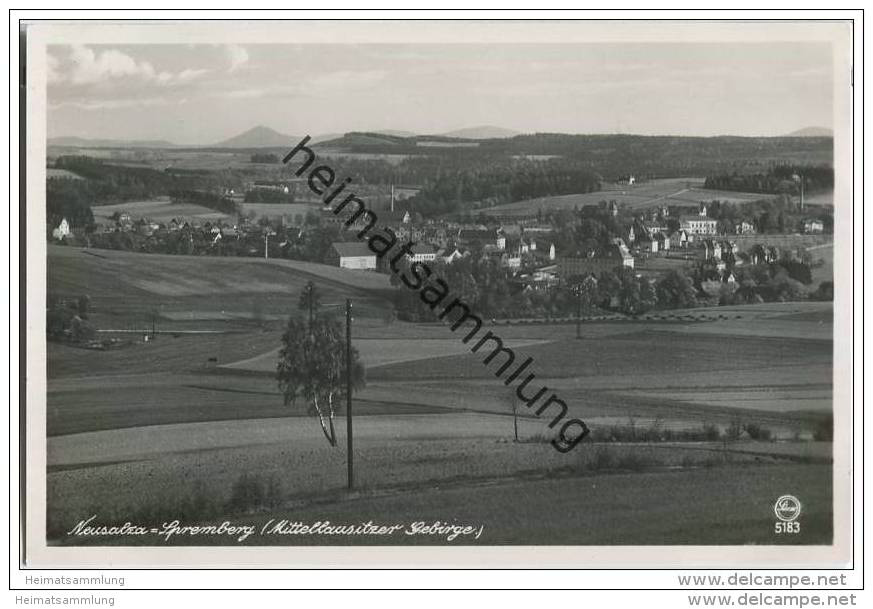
(434, 293)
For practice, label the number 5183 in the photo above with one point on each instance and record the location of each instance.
(787, 527)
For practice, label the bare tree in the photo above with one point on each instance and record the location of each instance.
(312, 363)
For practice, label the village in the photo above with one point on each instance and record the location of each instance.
(540, 251)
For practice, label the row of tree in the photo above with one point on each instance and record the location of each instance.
(104, 183)
(487, 184)
(779, 179)
(266, 195)
(609, 155)
(312, 244)
(491, 291)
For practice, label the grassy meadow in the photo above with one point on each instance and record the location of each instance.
(669, 191)
(184, 418)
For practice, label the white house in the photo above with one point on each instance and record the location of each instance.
(501, 240)
(450, 256)
(744, 228)
(512, 261)
(813, 226)
(62, 230)
(422, 252)
(353, 255)
(698, 225)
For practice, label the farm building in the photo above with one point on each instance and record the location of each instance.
(352, 255)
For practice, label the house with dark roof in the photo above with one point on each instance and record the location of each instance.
(471, 237)
(422, 252)
(394, 218)
(611, 258)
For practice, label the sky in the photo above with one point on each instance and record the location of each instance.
(202, 94)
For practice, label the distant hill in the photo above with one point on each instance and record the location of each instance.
(82, 142)
(258, 137)
(812, 132)
(322, 137)
(396, 133)
(484, 132)
(365, 140)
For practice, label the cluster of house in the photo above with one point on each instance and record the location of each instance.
(651, 234)
(449, 241)
(523, 246)
(207, 229)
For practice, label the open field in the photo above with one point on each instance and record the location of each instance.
(294, 212)
(393, 159)
(52, 172)
(794, 240)
(182, 418)
(630, 354)
(404, 457)
(698, 194)
(672, 191)
(128, 286)
(610, 375)
(376, 352)
(158, 210)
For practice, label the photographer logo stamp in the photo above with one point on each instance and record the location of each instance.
(787, 509)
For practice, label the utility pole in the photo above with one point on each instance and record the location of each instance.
(309, 298)
(349, 392)
(578, 291)
(309, 291)
(801, 192)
